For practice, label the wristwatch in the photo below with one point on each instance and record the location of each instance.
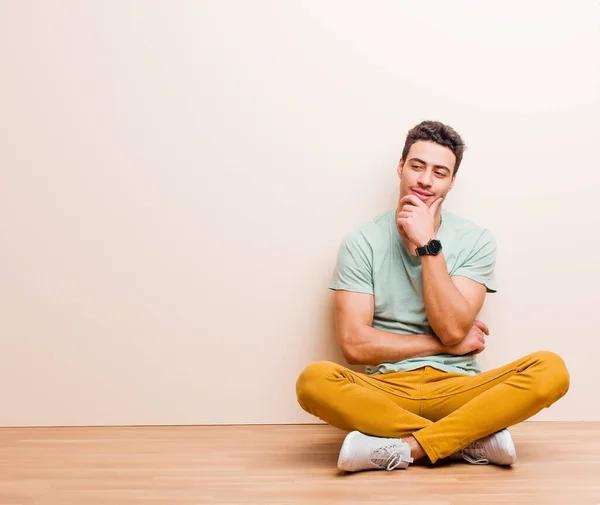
(433, 248)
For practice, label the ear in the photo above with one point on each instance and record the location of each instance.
(452, 182)
(400, 167)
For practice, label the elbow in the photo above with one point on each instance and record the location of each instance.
(450, 340)
(350, 360)
(353, 348)
(351, 354)
(452, 336)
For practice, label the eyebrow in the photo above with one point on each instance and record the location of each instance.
(424, 163)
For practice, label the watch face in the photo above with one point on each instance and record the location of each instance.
(435, 246)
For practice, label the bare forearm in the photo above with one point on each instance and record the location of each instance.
(370, 346)
(447, 309)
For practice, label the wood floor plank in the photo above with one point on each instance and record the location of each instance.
(558, 463)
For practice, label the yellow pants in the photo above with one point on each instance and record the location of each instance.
(445, 412)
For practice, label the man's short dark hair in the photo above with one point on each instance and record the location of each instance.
(437, 132)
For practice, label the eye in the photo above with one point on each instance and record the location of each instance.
(417, 167)
(440, 174)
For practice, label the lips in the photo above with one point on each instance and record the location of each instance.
(421, 194)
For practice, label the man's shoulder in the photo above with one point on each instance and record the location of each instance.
(464, 228)
(372, 231)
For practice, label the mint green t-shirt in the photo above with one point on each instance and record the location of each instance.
(373, 259)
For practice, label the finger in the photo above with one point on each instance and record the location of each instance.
(478, 347)
(482, 326)
(412, 199)
(404, 214)
(435, 205)
(409, 206)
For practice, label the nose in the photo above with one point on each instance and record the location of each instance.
(425, 179)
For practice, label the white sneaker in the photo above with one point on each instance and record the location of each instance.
(497, 449)
(363, 452)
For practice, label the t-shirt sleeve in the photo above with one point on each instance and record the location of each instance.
(480, 262)
(354, 267)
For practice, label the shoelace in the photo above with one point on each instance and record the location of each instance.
(394, 460)
(474, 454)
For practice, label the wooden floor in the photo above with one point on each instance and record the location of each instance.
(558, 463)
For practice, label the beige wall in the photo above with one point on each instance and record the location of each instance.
(177, 175)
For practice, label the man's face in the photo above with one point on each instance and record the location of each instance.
(427, 171)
